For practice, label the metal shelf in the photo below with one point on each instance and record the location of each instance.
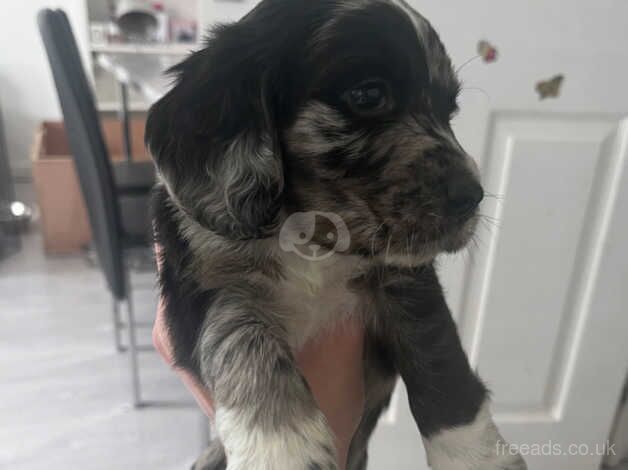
(161, 49)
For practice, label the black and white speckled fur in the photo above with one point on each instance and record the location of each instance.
(257, 128)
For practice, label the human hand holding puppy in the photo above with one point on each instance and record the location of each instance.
(331, 364)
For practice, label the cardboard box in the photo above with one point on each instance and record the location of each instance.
(64, 221)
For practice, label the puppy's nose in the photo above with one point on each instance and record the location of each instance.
(464, 194)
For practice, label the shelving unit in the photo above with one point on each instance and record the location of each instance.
(205, 12)
(105, 86)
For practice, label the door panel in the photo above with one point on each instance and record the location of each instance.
(589, 364)
(546, 170)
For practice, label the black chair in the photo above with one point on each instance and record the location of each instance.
(101, 183)
(7, 196)
(7, 192)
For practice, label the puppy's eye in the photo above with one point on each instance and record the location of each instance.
(369, 98)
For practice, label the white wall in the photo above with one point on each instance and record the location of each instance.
(27, 93)
(98, 10)
(221, 11)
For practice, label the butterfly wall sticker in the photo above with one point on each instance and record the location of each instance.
(488, 52)
(550, 88)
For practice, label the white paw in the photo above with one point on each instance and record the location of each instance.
(475, 446)
(305, 444)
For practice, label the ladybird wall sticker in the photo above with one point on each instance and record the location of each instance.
(550, 88)
(488, 52)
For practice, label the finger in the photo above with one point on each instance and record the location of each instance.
(199, 392)
(333, 367)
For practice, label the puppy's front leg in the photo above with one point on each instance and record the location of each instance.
(449, 402)
(266, 415)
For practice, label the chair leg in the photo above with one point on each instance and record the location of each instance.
(125, 121)
(133, 355)
(117, 325)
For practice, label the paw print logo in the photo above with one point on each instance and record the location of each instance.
(314, 236)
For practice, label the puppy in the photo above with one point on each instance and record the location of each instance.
(309, 173)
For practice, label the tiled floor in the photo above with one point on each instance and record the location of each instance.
(64, 391)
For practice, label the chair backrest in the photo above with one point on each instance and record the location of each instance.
(87, 145)
(7, 193)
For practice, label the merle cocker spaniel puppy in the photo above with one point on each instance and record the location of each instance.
(309, 173)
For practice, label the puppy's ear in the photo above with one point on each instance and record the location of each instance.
(214, 137)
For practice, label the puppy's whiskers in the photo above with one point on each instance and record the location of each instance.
(408, 246)
(468, 62)
(498, 197)
(490, 223)
(481, 90)
(374, 236)
(386, 255)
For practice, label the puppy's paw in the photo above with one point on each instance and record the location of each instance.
(213, 458)
(516, 462)
(503, 462)
(473, 446)
(477, 462)
(300, 444)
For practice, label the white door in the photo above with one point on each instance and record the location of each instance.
(541, 301)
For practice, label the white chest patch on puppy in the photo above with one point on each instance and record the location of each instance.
(316, 294)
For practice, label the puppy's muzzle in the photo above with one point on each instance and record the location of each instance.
(464, 195)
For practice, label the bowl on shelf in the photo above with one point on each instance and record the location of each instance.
(137, 20)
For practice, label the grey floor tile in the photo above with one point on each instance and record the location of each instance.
(64, 391)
